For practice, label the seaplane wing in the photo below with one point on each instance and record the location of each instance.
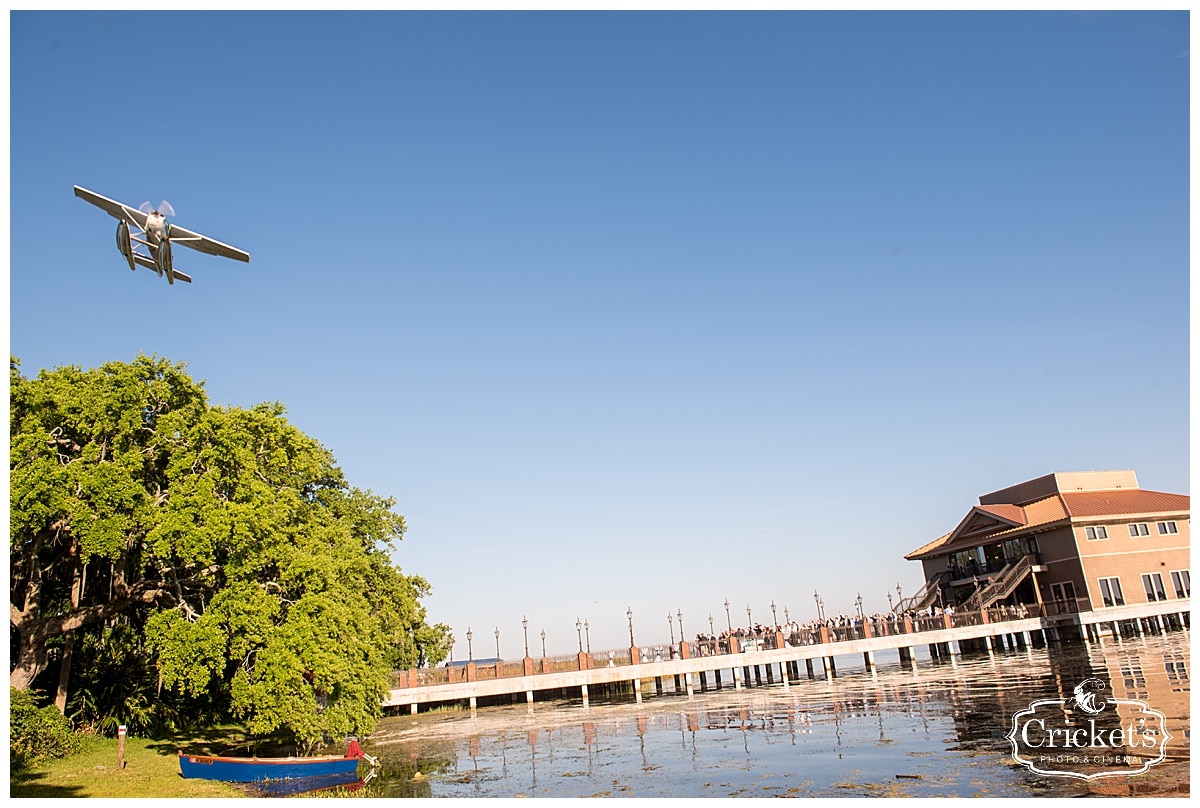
(112, 207)
(186, 238)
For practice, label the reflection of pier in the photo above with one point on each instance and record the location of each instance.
(982, 630)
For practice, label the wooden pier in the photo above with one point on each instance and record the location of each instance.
(946, 635)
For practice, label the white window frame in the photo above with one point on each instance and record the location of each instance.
(1167, 528)
(1137, 529)
(1116, 595)
(1096, 533)
(1152, 583)
(1181, 582)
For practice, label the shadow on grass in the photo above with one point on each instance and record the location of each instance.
(28, 784)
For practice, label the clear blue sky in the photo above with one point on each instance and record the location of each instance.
(636, 310)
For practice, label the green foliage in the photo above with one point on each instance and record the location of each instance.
(36, 734)
(248, 575)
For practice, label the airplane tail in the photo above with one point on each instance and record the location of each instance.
(149, 264)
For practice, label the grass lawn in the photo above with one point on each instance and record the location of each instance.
(151, 770)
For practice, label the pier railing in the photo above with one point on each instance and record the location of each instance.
(830, 632)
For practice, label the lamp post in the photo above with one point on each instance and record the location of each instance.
(679, 615)
(525, 627)
(899, 596)
(629, 614)
(671, 623)
(710, 625)
(820, 605)
(587, 635)
(728, 622)
(858, 605)
(891, 606)
(786, 617)
(749, 619)
(543, 643)
(579, 631)
(774, 616)
(497, 643)
(470, 657)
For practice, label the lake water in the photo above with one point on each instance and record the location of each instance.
(936, 729)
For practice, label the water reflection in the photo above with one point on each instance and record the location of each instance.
(933, 729)
(348, 781)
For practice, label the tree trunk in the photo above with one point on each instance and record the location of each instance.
(64, 673)
(34, 632)
(31, 660)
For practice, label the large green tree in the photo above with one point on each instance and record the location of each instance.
(250, 572)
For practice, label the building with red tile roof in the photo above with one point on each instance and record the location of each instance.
(1066, 542)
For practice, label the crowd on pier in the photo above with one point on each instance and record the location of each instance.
(759, 637)
(841, 627)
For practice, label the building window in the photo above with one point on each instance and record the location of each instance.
(1167, 527)
(1110, 592)
(1063, 591)
(1140, 529)
(1182, 581)
(1153, 584)
(1096, 533)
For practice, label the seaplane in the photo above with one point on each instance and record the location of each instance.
(147, 226)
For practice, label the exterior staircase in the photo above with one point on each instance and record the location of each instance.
(925, 597)
(1001, 586)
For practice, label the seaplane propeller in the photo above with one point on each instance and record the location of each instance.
(164, 208)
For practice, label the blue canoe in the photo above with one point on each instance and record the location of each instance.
(257, 770)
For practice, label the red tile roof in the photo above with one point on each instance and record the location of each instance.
(1009, 513)
(1128, 502)
(1069, 507)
